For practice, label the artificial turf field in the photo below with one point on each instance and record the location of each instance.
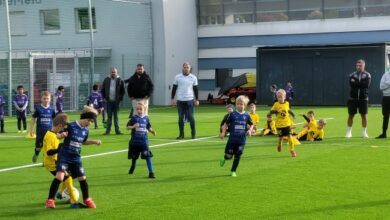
(337, 178)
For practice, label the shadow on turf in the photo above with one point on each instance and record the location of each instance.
(336, 208)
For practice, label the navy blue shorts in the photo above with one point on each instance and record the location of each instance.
(234, 149)
(136, 150)
(74, 168)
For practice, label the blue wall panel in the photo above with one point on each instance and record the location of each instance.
(206, 84)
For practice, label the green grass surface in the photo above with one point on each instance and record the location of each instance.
(337, 178)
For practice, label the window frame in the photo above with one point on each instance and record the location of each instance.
(42, 17)
(78, 23)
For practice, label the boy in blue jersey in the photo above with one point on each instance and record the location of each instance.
(96, 100)
(69, 158)
(139, 125)
(240, 124)
(21, 103)
(59, 99)
(43, 115)
(2, 103)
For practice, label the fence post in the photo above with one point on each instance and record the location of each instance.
(9, 59)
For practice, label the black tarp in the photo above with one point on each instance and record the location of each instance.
(232, 82)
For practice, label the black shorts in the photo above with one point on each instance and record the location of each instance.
(136, 150)
(355, 104)
(285, 131)
(234, 149)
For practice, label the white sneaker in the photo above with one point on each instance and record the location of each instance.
(19, 131)
(24, 131)
(364, 135)
(348, 135)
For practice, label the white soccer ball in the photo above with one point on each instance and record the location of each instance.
(66, 196)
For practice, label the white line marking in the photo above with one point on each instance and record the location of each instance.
(108, 153)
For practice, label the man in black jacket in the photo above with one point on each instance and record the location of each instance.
(113, 89)
(140, 88)
(359, 82)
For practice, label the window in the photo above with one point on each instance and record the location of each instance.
(50, 21)
(18, 23)
(305, 10)
(238, 11)
(271, 10)
(83, 19)
(340, 8)
(210, 12)
(370, 8)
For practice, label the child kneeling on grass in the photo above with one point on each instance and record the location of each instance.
(139, 125)
(240, 124)
(69, 158)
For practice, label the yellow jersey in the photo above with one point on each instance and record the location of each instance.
(282, 116)
(316, 134)
(50, 141)
(271, 126)
(255, 118)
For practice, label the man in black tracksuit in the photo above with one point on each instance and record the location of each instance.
(139, 88)
(359, 82)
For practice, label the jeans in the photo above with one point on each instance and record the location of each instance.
(112, 108)
(185, 109)
(385, 113)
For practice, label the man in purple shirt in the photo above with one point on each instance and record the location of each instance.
(21, 103)
(2, 103)
(59, 95)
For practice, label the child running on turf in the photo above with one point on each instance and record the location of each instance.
(2, 103)
(283, 121)
(240, 124)
(96, 100)
(139, 124)
(43, 115)
(310, 123)
(229, 109)
(69, 158)
(21, 103)
(50, 150)
(255, 118)
(317, 133)
(59, 99)
(269, 126)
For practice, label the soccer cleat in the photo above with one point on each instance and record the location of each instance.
(19, 131)
(348, 135)
(364, 135)
(24, 131)
(151, 175)
(222, 162)
(58, 195)
(180, 137)
(50, 204)
(279, 148)
(381, 136)
(74, 205)
(293, 153)
(193, 136)
(106, 133)
(233, 174)
(90, 203)
(118, 133)
(34, 158)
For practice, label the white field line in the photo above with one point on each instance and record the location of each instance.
(108, 153)
(4, 136)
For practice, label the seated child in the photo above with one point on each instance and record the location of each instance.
(255, 118)
(229, 109)
(269, 126)
(310, 122)
(317, 133)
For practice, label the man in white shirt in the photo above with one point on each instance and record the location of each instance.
(185, 87)
(385, 88)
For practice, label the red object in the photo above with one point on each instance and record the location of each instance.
(90, 203)
(230, 96)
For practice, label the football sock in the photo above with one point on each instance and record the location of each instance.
(149, 163)
(54, 188)
(24, 124)
(236, 161)
(37, 151)
(364, 130)
(69, 185)
(2, 125)
(349, 129)
(84, 189)
(132, 167)
(291, 143)
(19, 124)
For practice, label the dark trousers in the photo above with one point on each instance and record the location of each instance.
(385, 113)
(112, 109)
(185, 109)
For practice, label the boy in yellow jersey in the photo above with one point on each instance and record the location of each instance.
(310, 123)
(50, 149)
(283, 121)
(255, 118)
(317, 133)
(269, 126)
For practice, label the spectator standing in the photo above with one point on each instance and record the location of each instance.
(385, 88)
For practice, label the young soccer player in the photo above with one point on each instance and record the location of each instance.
(96, 100)
(59, 99)
(50, 150)
(229, 109)
(317, 133)
(240, 124)
(255, 118)
(2, 103)
(43, 115)
(21, 103)
(283, 121)
(310, 123)
(69, 158)
(269, 126)
(139, 124)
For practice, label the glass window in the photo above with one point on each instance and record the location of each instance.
(210, 12)
(18, 23)
(305, 10)
(271, 10)
(340, 8)
(83, 19)
(370, 8)
(50, 21)
(238, 11)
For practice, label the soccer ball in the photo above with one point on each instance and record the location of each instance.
(66, 196)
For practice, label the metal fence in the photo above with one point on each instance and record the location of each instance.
(49, 43)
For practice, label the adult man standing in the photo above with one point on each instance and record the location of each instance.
(186, 85)
(359, 82)
(139, 88)
(385, 88)
(113, 90)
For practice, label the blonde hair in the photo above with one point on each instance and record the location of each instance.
(322, 121)
(88, 109)
(45, 93)
(282, 91)
(141, 104)
(243, 99)
(60, 119)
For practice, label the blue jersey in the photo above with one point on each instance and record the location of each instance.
(237, 123)
(139, 136)
(96, 99)
(2, 103)
(71, 148)
(59, 97)
(44, 116)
